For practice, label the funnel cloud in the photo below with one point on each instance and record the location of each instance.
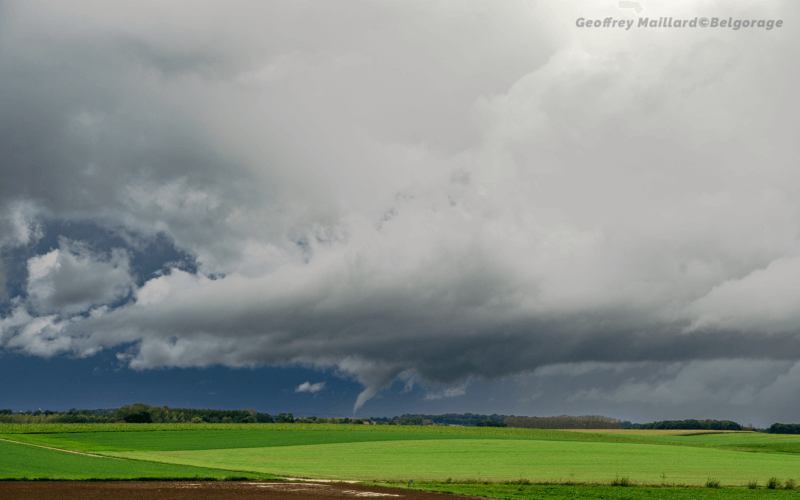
(445, 195)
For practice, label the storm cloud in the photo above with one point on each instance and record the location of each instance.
(449, 190)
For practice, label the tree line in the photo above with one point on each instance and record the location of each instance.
(564, 422)
(691, 424)
(463, 419)
(143, 413)
(784, 429)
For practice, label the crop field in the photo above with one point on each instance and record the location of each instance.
(652, 432)
(604, 492)
(499, 462)
(493, 459)
(223, 439)
(727, 440)
(18, 461)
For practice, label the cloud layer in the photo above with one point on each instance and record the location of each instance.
(432, 188)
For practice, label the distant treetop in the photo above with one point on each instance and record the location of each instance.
(691, 424)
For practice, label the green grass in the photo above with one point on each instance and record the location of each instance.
(98, 442)
(27, 429)
(18, 461)
(118, 437)
(744, 441)
(95, 438)
(493, 459)
(380, 453)
(599, 492)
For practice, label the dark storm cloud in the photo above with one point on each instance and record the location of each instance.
(423, 190)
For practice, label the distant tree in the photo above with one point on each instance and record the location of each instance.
(125, 411)
(464, 419)
(784, 429)
(264, 418)
(411, 420)
(564, 422)
(491, 423)
(141, 417)
(285, 418)
(692, 424)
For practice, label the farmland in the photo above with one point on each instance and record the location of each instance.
(492, 459)
(18, 461)
(500, 462)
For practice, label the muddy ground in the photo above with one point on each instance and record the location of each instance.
(183, 490)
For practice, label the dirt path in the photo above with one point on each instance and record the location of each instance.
(59, 449)
(318, 480)
(212, 490)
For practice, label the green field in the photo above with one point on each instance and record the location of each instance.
(753, 441)
(213, 439)
(601, 492)
(429, 455)
(18, 461)
(493, 459)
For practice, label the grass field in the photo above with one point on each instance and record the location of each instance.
(493, 459)
(602, 492)
(430, 455)
(212, 439)
(652, 432)
(729, 440)
(18, 461)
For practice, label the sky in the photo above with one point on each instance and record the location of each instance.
(373, 208)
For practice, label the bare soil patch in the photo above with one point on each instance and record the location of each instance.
(211, 490)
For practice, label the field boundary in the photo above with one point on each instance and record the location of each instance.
(59, 449)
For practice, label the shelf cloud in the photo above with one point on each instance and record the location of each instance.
(442, 189)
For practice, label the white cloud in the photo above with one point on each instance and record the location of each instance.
(21, 226)
(765, 301)
(309, 387)
(38, 336)
(448, 392)
(71, 279)
(9, 324)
